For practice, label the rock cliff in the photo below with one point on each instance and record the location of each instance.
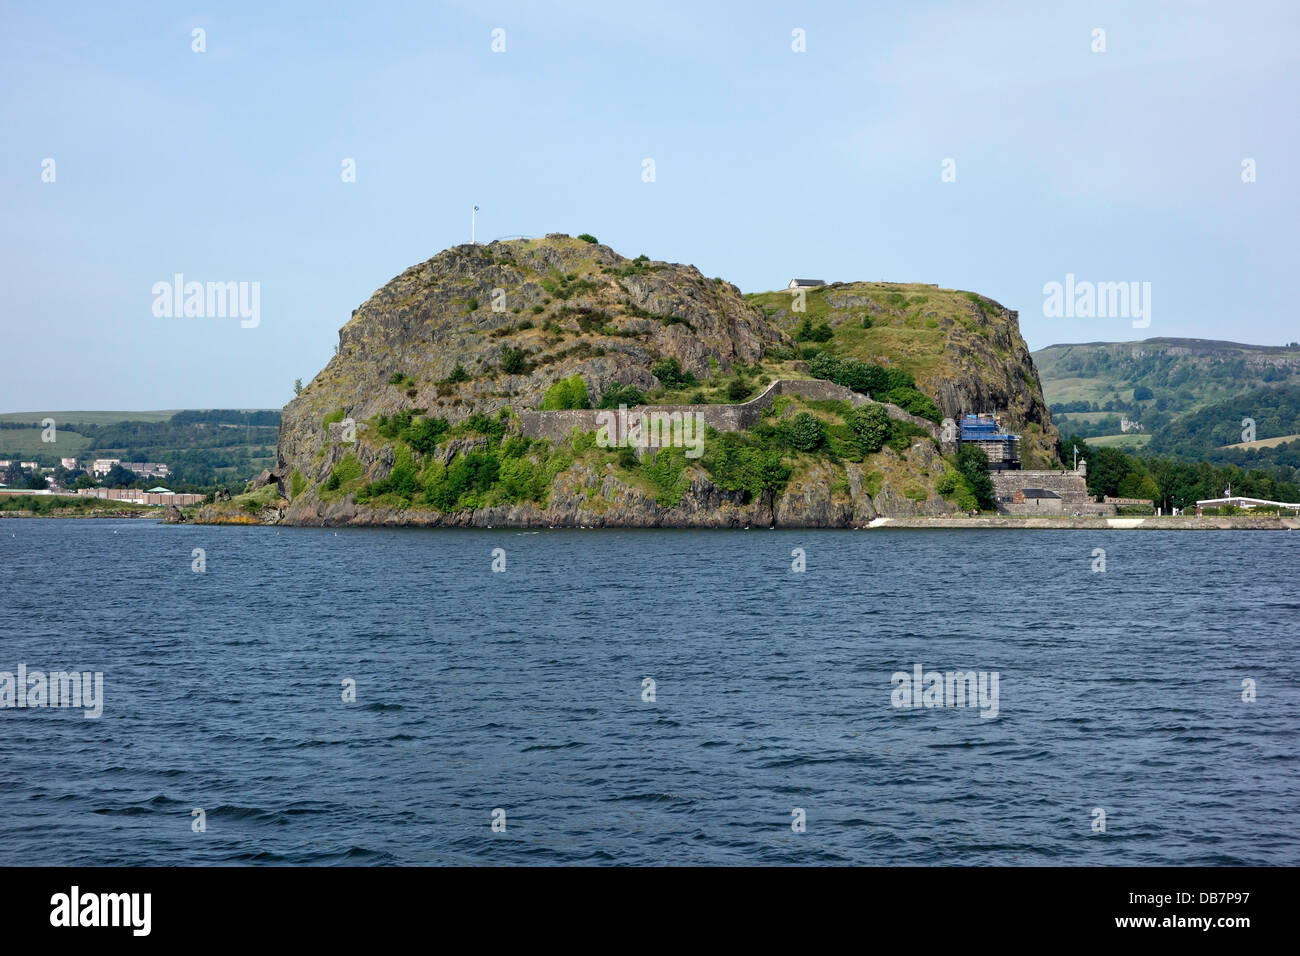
(416, 418)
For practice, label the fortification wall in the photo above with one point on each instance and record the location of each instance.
(558, 425)
(1072, 486)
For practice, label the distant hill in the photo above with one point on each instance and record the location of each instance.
(1214, 433)
(200, 446)
(1091, 387)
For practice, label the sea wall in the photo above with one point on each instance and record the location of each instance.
(1072, 486)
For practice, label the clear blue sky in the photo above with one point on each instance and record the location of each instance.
(225, 166)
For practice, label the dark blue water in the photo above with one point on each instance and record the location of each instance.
(523, 691)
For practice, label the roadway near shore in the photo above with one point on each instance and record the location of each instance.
(1181, 523)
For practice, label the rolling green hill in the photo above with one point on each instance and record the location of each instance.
(1090, 387)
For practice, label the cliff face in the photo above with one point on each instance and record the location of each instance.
(461, 344)
(965, 350)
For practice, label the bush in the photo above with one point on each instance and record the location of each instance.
(871, 425)
(808, 332)
(570, 392)
(805, 432)
(670, 374)
(616, 395)
(347, 470)
(513, 361)
(918, 403)
(859, 376)
(425, 435)
(587, 237)
(458, 374)
(472, 305)
(737, 390)
(974, 467)
(296, 484)
(737, 461)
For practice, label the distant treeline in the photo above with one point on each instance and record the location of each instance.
(1178, 484)
(1275, 412)
(227, 416)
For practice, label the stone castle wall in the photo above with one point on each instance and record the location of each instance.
(557, 425)
(1072, 486)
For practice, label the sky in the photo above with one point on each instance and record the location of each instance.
(983, 146)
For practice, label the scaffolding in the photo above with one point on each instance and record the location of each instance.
(1001, 448)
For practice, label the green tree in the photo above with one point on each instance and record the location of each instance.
(806, 432)
(870, 423)
(670, 374)
(297, 386)
(974, 467)
(569, 392)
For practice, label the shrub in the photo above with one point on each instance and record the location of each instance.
(347, 470)
(808, 332)
(616, 395)
(670, 374)
(425, 435)
(806, 432)
(737, 461)
(570, 392)
(871, 425)
(397, 378)
(974, 467)
(866, 321)
(902, 433)
(472, 305)
(587, 237)
(296, 484)
(513, 361)
(737, 390)
(458, 374)
(918, 403)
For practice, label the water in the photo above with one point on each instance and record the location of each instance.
(523, 691)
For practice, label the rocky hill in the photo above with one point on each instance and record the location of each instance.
(416, 419)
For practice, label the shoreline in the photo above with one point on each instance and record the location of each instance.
(983, 522)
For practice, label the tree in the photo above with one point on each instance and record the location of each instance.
(119, 477)
(670, 374)
(973, 464)
(568, 392)
(297, 386)
(870, 423)
(806, 432)
(513, 361)
(1106, 469)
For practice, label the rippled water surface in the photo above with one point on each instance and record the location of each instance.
(522, 691)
